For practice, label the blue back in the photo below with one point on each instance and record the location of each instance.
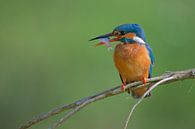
(151, 58)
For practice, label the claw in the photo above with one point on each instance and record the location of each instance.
(144, 80)
(123, 87)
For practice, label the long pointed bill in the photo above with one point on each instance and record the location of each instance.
(105, 40)
(102, 36)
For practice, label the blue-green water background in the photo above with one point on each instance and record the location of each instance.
(46, 60)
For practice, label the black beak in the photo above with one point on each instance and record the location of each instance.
(102, 36)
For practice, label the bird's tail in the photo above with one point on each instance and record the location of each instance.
(138, 92)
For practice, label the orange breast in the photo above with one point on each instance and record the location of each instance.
(132, 61)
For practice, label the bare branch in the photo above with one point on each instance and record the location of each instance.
(72, 112)
(77, 105)
(141, 99)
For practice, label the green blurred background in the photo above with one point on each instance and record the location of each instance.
(46, 60)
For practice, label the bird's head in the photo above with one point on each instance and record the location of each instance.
(126, 33)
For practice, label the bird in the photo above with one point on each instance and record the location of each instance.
(133, 56)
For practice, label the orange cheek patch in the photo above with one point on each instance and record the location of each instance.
(129, 35)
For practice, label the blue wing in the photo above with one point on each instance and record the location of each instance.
(151, 58)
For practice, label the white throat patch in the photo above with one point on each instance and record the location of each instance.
(139, 40)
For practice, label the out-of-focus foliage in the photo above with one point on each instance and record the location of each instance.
(46, 60)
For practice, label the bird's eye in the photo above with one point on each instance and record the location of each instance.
(117, 33)
(122, 32)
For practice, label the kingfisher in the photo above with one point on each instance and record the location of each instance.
(133, 57)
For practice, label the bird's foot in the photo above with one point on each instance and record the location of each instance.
(150, 85)
(148, 95)
(144, 81)
(123, 87)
